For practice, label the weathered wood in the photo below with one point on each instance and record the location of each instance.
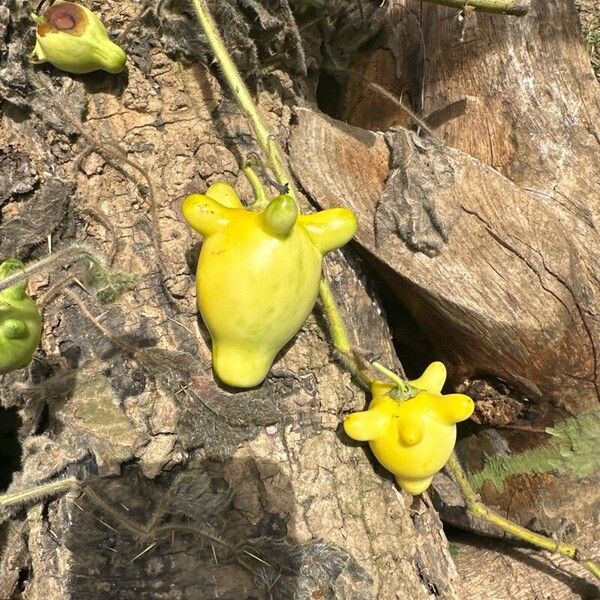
(509, 291)
(427, 218)
(532, 99)
(467, 266)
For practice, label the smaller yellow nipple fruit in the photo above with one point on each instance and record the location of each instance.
(73, 39)
(412, 438)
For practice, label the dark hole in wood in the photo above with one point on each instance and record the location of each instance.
(44, 421)
(328, 94)
(23, 577)
(10, 448)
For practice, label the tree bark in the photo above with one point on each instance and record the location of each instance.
(188, 482)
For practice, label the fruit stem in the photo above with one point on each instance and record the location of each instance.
(266, 141)
(337, 327)
(261, 199)
(37, 19)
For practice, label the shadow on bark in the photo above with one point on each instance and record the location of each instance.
(192, 534)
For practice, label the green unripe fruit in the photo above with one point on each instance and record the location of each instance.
(20, 322)
(73, 39)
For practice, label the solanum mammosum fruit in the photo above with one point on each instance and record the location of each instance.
(20, 322)
(412, 438)
(258, 275)
(73, 39)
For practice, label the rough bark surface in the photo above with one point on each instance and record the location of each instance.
(135, 411)
(487, 237)
(443, 210)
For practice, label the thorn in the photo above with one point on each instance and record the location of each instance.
(78, 282)
(276, 580)
(102, 315)
(143, 552)
(258, 558)
(182, 388)
(215, 554)
(106, 525)
(180, 324)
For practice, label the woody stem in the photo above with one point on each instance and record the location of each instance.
(518, 8)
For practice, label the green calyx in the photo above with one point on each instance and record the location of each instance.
(73, 39)
(280, 216)
(20, 322)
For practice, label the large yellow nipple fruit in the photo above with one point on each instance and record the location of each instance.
(73, 39)
(258, 275)
(412, 438)
(20, 322)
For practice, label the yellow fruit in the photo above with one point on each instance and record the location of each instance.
(20, 322)
(258, 275)
(73, 39)
(412, 438)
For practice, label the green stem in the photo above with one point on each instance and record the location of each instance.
(339, 337)
(507, 7)
(267, 142)
(337, 327)
(37, 19)
(42, 264)
(394, 377)
(478, 509)
(261, 200)
(35, 494)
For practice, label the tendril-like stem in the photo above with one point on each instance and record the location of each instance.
(36, 493)
(267, 142)
(478, 509)
(59, 257)
(337, 327)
